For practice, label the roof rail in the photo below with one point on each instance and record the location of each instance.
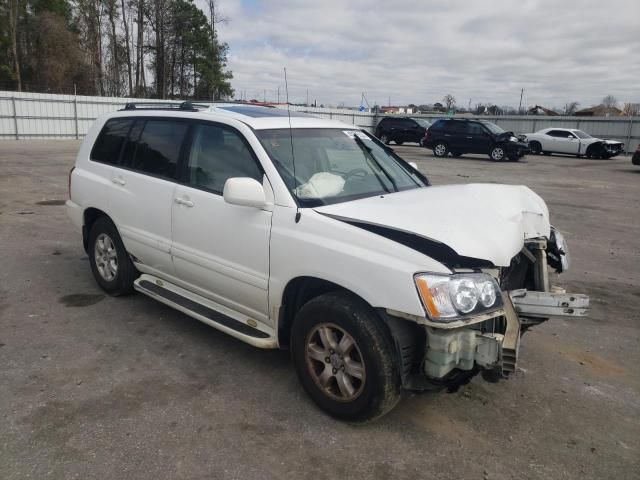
(185, 106)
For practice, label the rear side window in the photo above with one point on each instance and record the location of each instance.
(109, 143)
(217, 154)
(154, 148)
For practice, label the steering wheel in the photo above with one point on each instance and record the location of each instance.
(356, 171)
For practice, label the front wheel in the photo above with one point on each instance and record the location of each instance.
(440, 149)
(497, 153)
(535, 148)
(344, 358)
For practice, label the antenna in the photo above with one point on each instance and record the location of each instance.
(293, 157)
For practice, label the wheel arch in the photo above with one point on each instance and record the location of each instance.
(89, 217)
(407, 337)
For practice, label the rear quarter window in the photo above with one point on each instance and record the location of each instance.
(110, 140)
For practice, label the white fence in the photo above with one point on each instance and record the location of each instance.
(33, 115)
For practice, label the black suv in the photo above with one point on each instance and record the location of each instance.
(458, 136)
(401, 129)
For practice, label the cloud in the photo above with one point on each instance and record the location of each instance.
(416, 52)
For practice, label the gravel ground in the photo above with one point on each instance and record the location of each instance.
(119, 388)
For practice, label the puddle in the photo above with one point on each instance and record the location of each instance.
(50, 202)
(80, 299)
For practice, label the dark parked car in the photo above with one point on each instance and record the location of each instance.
(636, 157)
(401, 129)
(459, 136)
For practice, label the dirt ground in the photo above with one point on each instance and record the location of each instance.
(119, 388)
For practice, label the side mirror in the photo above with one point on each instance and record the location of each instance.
(244, 191)
(414, 165)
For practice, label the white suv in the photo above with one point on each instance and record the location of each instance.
(308, 234)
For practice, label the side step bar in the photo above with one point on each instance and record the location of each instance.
(549, 304)
(205, 310)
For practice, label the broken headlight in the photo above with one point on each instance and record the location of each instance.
(448, 297)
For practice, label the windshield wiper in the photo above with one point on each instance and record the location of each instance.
(367, 153)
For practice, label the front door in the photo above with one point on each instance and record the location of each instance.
(220, 250)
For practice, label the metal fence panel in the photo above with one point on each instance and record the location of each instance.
(36, 115)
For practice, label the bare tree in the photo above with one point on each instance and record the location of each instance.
(13, 27)
(127, 45)
(570, 108)
(449, 101)
(609, 101)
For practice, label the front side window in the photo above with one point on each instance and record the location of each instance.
(217, 154)
(581, 134)
(493, 128)
(109, 143)
(333, 165)
(154, 147)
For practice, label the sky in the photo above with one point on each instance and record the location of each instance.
(483, 51)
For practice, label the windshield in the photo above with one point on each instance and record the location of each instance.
(581, 134)
(493, 128)
(422, 122)
(333, 166)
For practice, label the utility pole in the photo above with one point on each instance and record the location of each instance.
(520, 106)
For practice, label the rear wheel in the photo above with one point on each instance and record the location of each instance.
(440, 149)
(344, 358)
(110, 262)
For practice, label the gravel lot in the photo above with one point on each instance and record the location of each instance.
(118, 388)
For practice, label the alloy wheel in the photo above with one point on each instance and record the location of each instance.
(106, 257)
(335, 362)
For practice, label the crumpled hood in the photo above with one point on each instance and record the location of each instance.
(482, 221)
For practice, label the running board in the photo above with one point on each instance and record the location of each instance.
(549, 304)
(205, 310)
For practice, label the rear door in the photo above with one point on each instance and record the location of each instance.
(143, 188)
(219, 250)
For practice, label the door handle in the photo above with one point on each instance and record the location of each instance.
(183, 201)
(118, 181)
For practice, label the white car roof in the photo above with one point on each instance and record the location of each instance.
(560, 128)
(256, 117)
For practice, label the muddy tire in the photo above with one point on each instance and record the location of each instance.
(110, 263)
(344, 358)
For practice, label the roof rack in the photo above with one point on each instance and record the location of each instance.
(185, 106)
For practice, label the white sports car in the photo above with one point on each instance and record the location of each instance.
(572, 141)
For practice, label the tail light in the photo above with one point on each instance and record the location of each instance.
(69, 185)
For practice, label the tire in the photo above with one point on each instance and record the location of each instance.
(384, 138)
(440, 149)
(110, 263)
(497, 153)
(322, 327)
(535, 148)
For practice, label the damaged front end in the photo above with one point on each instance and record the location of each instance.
(487, 340)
